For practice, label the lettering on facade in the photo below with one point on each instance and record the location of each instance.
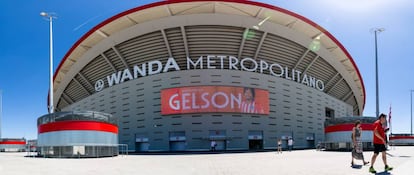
(189, 101)
(202, 99)
(210, 62)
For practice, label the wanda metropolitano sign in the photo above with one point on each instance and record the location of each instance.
(210, 62)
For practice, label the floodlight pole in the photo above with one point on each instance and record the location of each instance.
(377, 30)
(411, 123)
(1, 108)
(50, 18)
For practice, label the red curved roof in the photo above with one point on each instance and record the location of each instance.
(259, 4)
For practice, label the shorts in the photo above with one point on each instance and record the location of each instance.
(379, 148)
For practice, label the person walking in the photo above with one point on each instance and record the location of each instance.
(386, 129)
(357, 152)
(290, 143)
(213, 145)
(379, 143)
(279, 146)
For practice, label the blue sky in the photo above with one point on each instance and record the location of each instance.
(24, 49)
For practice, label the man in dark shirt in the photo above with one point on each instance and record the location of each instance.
(379, 143)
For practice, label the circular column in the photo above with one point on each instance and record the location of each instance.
(77, 134)
(12, 145)
(338, 132)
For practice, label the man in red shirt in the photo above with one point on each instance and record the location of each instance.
(379, 143)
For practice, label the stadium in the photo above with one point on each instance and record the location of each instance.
(181, 74)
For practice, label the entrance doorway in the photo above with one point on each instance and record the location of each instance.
(255, 144)
(218, 136)
(255, 140)
(220, 145)
(177, 145)
(141, 142)
(310, 140)
(141, 146)
(178, 141)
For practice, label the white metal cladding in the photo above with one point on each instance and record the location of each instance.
(402, 141)
(345, 136)
(294, 108)
(74, 138)
(218, 30)
(13, 146)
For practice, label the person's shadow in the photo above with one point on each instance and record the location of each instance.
(356, 166)
(379, 173)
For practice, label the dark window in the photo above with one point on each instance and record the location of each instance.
(329, 113)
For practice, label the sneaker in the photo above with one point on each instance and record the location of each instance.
(372, 170)
(388, 168)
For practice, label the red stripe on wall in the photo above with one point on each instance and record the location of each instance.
(348, 127)
(401, 137)
(77, 125)
(12, 143)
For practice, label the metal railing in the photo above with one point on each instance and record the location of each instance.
(77, 115)
(80, 151)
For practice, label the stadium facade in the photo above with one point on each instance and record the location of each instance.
(180, 74)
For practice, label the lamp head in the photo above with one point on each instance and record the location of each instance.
(44, 14)
(376, 30)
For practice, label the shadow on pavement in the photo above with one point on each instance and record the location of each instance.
(391, 155)
(356, 166)
(199, 152)
(383, 173)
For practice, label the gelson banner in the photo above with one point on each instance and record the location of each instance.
(204, 99)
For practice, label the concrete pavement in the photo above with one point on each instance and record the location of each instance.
(306, 162)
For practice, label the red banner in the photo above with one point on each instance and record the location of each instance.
(203, 99)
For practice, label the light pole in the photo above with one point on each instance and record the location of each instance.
(411, 98)
(50, 17)
(1, 108)
(377, 30)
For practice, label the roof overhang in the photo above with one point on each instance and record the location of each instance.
(258, 10)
